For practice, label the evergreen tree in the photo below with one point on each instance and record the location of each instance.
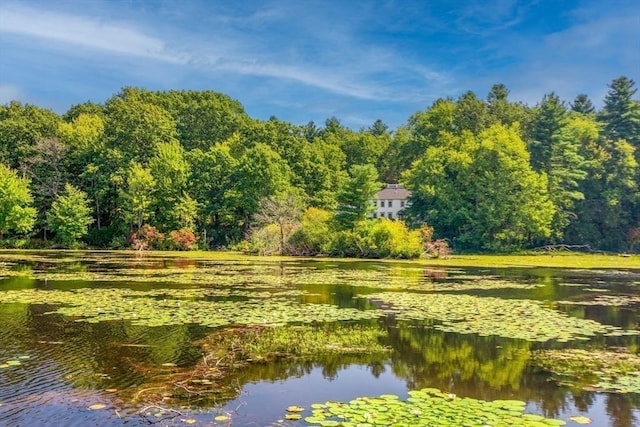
(354, 200)
(548, 119)
(582, 104)
(621, 114)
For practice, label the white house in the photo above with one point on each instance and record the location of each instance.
(391, 201)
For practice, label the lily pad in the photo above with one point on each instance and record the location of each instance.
(427, 407)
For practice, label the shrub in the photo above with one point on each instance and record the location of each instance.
(265, 240)
(433, 248)
(314, 234)
(392, 239)
(147, 237)
(182, 239)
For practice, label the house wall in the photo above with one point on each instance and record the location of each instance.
(388, 208)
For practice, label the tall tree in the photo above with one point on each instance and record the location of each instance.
(47, 169)
(471, 114)
(16, 213)
(21, 127)
(502, 111)
(621, 114)
(582, 104)
(480, 192)
(260, 173)
(70, 216)
(548, 119)
(567, 169)
(137, 194)
(136, 128)
(170, 171)
(354, 200)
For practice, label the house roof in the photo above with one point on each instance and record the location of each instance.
(397, 192)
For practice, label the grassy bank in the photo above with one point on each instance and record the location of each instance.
(556, 260)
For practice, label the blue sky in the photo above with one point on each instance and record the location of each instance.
(302, 60)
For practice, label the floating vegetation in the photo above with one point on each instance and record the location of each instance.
(426, 407)
(467, 314)
(264, 275)
(149, 309)
(615, 372)
(606, 300)
(266, 343)
(230, 350)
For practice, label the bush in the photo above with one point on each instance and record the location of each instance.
(433, 248)
(313, 237)
(265, 240)
(392, 239)
(147, 237)
(182, 239)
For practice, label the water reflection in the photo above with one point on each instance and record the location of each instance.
(70, 364)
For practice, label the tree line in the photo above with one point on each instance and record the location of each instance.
(180, 169)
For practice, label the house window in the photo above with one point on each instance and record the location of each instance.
(382, 203)
(390, 214)
(402, 203)
(375, 203)
(374, 215)
(390, 203)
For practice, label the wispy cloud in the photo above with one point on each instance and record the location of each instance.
(349, 70)
(83, 31)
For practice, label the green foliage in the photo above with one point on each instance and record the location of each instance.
(354, 199)
(137, 194)
(313, 237)
(21, 126)
(392, 239)
(16, 213)
(480, 192)
(426, 407)
(195, 160)
(70, 216)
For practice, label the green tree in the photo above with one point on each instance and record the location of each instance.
(502, 111)
(70, 216)
(471, 114)
(137, 194)
(16, 213)
(354, 200)
(211, 176)
(170, 171)
(136, 128)
(567, 170)
(582, 104)
(480, 192)
(548, 119)
(621, 114)
(21, 126)
(260, 173)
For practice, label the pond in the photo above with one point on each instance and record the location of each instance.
(118, 338)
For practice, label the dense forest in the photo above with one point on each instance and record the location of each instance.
(183, 169)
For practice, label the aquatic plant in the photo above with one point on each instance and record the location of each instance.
(511, 318)
(615, 372)
(426, 407)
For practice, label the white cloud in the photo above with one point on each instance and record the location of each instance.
(82, 31)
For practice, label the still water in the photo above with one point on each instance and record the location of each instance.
(88, 367)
